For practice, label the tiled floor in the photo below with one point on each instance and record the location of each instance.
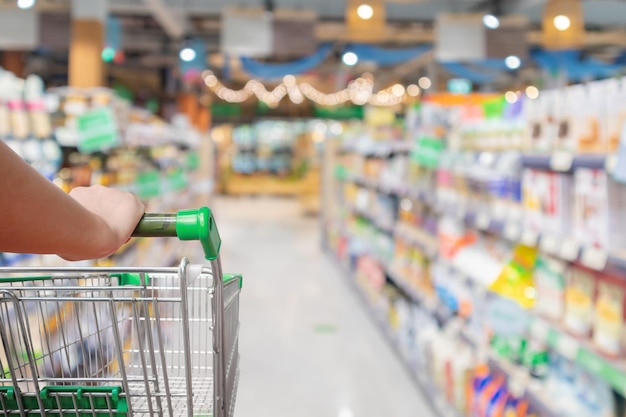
(308, 348)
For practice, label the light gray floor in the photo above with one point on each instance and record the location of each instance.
(308, 348)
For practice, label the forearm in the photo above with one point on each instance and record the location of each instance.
(38, 217)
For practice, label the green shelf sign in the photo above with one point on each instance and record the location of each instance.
(594, 363)
(149, 184)
(339, 113)
(97, 130)
(428, 151)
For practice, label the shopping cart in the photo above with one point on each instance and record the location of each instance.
(123, 341)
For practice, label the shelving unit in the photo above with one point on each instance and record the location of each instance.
(371, 174)
(434, 396)
(566, 249)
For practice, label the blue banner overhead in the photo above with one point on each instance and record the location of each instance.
(574, 65)
(463, 71)
(273, 71)
(384, 56)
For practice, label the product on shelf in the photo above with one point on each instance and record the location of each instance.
(515, 280)
(535, 319)
(579, 301)
(50, 130)
(546, 197)
(598, 207)
(608, 323)
(549, 279)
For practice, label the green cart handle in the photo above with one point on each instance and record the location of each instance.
(196, 224)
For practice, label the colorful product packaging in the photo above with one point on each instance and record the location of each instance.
(591, 207)
(549, 279)
(540, 121)
(556, 205)
(589, 109)
(532, 199)
(565, 118)
(615, 116)
(599, 205)
(608, 323)
(579, 301)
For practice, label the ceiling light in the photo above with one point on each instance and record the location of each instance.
(25, 4)
(424, 83)
(365, 11)
(532, 92)
(490, 21)
(350, 59)
(510, 97)
(561, 22)
(512, 62)
(187, 54)
(398, 90)
(413, 90)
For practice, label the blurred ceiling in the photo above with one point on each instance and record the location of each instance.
(152, 29)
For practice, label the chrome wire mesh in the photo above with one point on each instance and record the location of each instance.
(149, 332)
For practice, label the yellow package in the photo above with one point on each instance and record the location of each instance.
(516, 279)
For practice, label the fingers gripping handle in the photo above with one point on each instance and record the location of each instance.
(196, 224)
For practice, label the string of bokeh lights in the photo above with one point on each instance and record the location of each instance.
(359, 91)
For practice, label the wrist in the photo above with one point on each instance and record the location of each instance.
(97, 240)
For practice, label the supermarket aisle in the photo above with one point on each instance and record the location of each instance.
(308, 348)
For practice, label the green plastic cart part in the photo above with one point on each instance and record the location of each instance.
(131, 278)
(25, 279)
(195, 224)
(230, 277)
(105, 399)
(124, 279)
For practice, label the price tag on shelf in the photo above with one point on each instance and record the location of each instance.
(512, 231)
(482, 221)
(594, 258)
(561, 161)
(539, 330)
(529, 238)
(567, 346)
(610, 164)
(549, 244)
(569, 249)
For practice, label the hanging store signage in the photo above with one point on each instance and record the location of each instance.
(464, 37)
(294, 33)
(459, 38)
(246, 32)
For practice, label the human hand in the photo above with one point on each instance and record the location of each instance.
(116, 215)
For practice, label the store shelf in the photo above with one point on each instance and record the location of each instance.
(435, 398)
(534, 394)
(376, 186)
(533, 390)
(429, 303)
(385, 228)
(393, 190)
(427, 243)
(384, 149)
(564, 248)
(564, 161)
(583, 352)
